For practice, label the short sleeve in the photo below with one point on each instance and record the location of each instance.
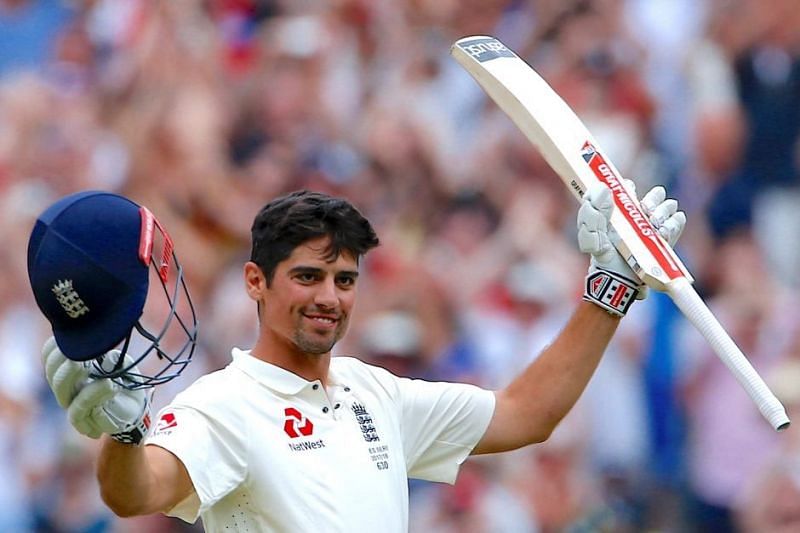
(441, 424)
(214, 455)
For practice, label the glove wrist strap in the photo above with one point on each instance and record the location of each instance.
(135, 433)
(611, 291)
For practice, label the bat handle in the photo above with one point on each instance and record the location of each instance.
(698, 313)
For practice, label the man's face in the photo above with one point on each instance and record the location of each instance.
(309, 300)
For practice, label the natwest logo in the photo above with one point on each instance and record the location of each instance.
(296, 424)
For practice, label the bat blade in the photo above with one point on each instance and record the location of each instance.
(571, 150)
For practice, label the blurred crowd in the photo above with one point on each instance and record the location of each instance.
(204, 110)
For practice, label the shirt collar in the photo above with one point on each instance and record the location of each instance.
(274, 377)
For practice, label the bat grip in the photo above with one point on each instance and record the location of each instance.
(696, 311)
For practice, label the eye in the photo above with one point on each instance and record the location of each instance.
(346, 281)
(306, 277)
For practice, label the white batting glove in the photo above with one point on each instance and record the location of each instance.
(611, 282)
(96, 406)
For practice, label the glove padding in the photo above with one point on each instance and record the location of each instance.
(96, 405)
(595, 235)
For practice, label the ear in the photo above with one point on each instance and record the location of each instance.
(254, 281)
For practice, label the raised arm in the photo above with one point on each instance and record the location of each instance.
(134, 479)
(529, 409)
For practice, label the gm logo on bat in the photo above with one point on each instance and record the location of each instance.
(486, 49)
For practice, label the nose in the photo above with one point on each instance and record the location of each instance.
(327, 296)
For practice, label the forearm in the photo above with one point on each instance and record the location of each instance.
(127, 483)
(548, 389)
(530, 408)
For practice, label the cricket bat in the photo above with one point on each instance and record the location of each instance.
(569, 148)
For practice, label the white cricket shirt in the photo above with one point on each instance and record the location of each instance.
(269, 451)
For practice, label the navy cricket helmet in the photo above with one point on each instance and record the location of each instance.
(91, 258)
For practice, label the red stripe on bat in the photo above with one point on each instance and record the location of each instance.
(630, 210)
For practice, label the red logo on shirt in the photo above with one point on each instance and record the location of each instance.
(296, 424)
(166, 421)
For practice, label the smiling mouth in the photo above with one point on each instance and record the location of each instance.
(322, 320)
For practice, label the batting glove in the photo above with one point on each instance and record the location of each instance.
(611, 282)
(96, 405)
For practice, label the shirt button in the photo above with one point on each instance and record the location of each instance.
(325, 409)
(338, 405)
(315, 386)
(347, 389)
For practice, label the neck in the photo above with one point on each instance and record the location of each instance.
(310, 367)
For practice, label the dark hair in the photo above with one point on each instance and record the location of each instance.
(289, 221)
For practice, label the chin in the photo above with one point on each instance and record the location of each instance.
(313, 342)
(314, 347)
